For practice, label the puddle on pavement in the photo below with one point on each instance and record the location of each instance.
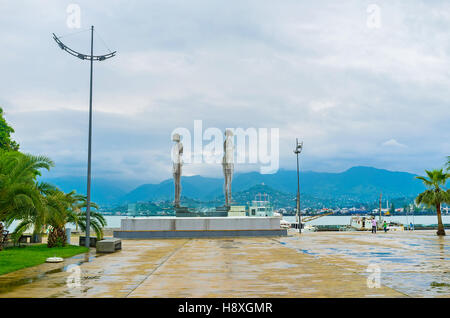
(410, 264)
(416, 271)
(307, 252)
(8, 284)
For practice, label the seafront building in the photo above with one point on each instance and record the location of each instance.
(237, 210)
(261, 207)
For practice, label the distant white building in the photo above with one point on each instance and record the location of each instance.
(237, 210)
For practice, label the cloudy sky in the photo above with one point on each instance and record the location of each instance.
(360, 87)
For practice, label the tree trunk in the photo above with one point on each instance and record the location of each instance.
(1, 236)
(36, 237)
(441, 230)
(57, 237)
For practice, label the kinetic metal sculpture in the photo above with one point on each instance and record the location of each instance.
(177, 153)
(228, 165)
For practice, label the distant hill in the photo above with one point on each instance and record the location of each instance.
(363, 184)
(357, 184)
(103, 191)
(195, 187)
(277, 198)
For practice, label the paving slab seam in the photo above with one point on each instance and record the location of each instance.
(157, 267)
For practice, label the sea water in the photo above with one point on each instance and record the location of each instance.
(345, 219)
(113, 221)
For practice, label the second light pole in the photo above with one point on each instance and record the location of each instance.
(297, 151)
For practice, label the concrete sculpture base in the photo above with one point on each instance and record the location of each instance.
(198, 227)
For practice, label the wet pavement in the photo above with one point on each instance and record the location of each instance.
(321, 264)
(415, 263)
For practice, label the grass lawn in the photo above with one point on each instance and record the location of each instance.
(14, 258)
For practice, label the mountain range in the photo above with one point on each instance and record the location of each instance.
(359, 184)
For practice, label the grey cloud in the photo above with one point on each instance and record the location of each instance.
(314, 70)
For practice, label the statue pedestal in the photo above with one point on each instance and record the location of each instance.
(198, 227)
(184, 212)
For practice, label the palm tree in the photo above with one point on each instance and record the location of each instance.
(77, 214)
(18, 174)
(436, 194)
(69, 208)
(18, 191)
(62, 208)
(41, 205)
(31, 217)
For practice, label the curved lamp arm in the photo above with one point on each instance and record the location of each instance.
(80, 55)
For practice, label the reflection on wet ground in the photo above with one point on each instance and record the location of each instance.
(30, 275)
(414, 263)
(324, 264)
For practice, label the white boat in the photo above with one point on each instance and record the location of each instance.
(364, 223)
(361, 223)
(277, 214)
(308, 228)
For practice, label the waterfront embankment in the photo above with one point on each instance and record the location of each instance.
(322, 264)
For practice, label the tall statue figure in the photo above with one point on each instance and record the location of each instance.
(228, 164)
(177, 153)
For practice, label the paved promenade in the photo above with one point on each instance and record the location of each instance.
(311, 265)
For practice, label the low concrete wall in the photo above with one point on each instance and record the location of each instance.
(200, 224)
(196, 234)
(171, 227)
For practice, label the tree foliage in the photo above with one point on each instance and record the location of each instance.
(436, 194)
(40, 206)
(6, 143)
(37, 205)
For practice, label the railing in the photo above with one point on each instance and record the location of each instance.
(313, 217)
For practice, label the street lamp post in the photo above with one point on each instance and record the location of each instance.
(91, 57)
(297, 151)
